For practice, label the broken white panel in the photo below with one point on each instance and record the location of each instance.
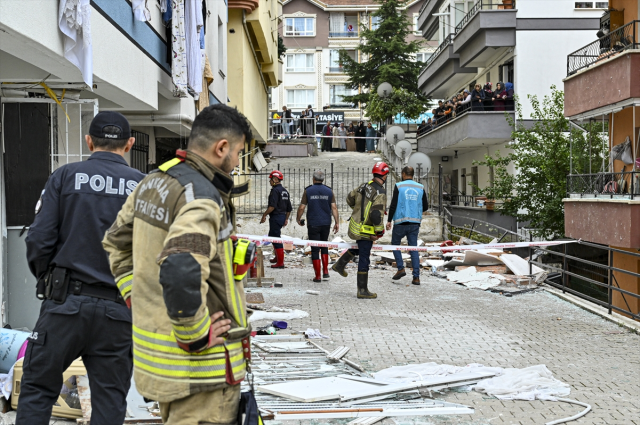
(417, 372)
(518, 265)
(476, 280)
(338, 353)
(366, 421)
(430, 382)
(432, 263)
(442, 408)
(482, 257)
(277, 315)
(390, 256)
(319, 389)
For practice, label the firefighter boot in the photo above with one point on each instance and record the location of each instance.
(325, 266)
(363, 291)
(280, 259)
(342, 263)
(316, 269)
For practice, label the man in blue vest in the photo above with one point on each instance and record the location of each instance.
(407, 205)
(322, 205)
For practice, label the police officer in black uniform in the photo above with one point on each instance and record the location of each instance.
(83, 314)
(278, 211)
(322, 206)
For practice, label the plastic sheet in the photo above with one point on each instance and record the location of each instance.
(288, 314)
(531, 383)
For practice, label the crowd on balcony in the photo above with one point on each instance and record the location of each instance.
(479, 99)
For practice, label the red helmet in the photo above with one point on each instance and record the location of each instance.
(278, 174)
(380, 168)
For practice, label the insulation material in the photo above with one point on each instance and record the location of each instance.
(518, 265)
(281, 314)
(472, 279)
(531, 383)
(417, 372)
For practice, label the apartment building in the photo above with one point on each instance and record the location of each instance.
(253, 66)
(601, 86)
(122, 64)
(314, 31)
(524, 42)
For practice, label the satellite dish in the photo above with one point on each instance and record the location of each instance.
(405, 146)
(385, 89)
(395, 134)
(420, 162)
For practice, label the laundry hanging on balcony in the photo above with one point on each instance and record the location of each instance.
(74, 21)
(140, 10)
(179, 50)
(193, 25)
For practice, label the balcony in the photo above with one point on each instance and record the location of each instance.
(442, 73)
(603, 75)
(351, 34)
(487, 31)
(604, 208)
(467, 131)
(427, 23)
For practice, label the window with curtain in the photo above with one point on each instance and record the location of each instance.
(336, 94)
(299, 27)
(423, 56)
(300, 98)
(299, 62)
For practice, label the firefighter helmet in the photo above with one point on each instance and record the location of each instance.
(380, 168)
(279, 175)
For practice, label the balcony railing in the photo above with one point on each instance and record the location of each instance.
(460, 112)
(622, 185)
(624, 38)
(445, 43)
(483, 5)
(336, 69)
(343, 34)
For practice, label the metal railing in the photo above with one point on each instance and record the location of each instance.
(297, 179)
(483, 5)
(440, 121)
(624, 38)
(292, 128)
(467, 227)
(343, 34)
(625, 185)
(140, 152)
(445, 43)
(592, 280)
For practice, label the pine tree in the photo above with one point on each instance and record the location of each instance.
(389, 57)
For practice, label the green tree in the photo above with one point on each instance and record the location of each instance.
(541, 157)
(389, 58)
(399, 102)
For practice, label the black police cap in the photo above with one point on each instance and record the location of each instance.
(119, 126)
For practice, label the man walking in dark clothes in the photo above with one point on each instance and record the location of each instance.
(278, 212)
(322, 205)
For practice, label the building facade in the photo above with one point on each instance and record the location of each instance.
(123, 62)
(314, 31)
(254, 66)
(602, 86)
(524, 42)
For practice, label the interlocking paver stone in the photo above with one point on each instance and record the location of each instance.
(442, 322)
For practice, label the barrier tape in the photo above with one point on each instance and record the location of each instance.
(345, 245)
(311, 136)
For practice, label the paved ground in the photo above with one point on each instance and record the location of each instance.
(446, 323)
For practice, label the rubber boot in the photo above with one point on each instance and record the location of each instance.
(342, 263)
(316, 269)
(325, 266)
(280, 259)
(363, 291)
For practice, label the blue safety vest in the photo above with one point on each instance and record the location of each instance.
(319, 199)
(409, 207)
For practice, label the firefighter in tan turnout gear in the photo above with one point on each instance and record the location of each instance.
(190, 324)
(368, 201)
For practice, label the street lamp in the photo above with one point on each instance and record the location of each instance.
(384, 89)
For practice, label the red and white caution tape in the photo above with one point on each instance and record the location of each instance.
(344, 245)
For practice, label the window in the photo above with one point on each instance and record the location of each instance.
(221, 46)
(300, 62)
(423, 56)
(416, 30)
(375, 22)
(592, 5)
(300, 98)
(299, 27)
(336, 94)
(462, 8)
(334, 59)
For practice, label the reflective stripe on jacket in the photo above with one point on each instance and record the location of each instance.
(176, 227)
(375, 198)
(409, 207)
